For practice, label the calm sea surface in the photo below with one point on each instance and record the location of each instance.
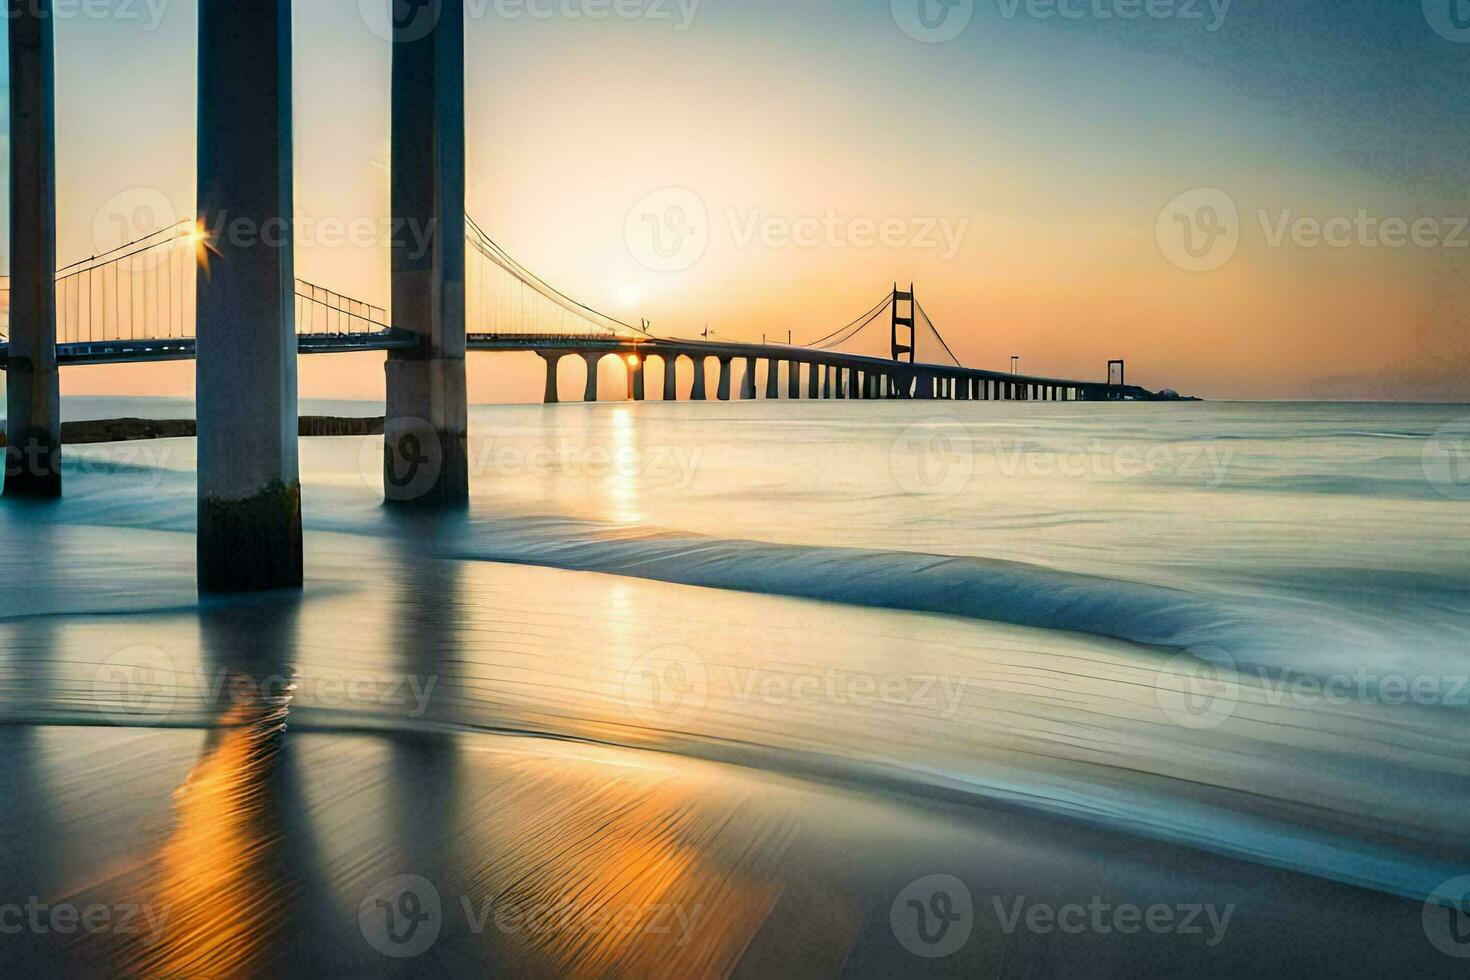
(1242, 628)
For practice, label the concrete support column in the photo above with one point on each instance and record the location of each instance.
(747, 383)
(773, 379)
(724, 392)
(699, 392)
(249, 525)
(428, 412)
(636, 389)
(553, 361)
(33, 384)
(589, 394)
(839, 383)
(813, 381)
(826, 381)
(793, 380)
(671, 377)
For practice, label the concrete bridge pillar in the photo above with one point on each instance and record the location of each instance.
(427, 405)
(553, 361)
(724, 392)
(747, 383)
(813, 381)
(249, 524)
(826, 381)
(592, 359)
(636, 389)
(839, 383)
(793, 380)
(773, 378)
(33, 384)
(671, 377)
(698, 392)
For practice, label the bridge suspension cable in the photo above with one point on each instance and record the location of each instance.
(504, 297)
(930, 328)
(144, 290)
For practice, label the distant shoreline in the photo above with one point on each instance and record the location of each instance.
(137, 430)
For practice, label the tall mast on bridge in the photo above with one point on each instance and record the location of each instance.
(904, 322)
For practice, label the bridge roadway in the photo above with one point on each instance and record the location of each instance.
(827, 374)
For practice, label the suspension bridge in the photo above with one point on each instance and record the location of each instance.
(236, 307)
(136, 303)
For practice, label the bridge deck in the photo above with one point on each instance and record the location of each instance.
(183, 349)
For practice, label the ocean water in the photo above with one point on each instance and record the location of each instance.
(1243, 629)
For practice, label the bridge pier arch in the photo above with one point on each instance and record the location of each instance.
(592, 359)
(724, 390)
(698, 391)
(33, 382)
(427, 398)
(249, 488)
(553, 364)
(747, 383)
(636, 389)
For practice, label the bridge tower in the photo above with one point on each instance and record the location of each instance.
(425, 457)
(249, 534)
(33, 385)
(903, 321)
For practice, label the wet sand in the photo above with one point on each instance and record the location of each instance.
(255, 851)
